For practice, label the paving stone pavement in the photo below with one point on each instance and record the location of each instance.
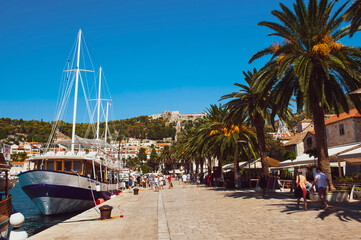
(211, 213)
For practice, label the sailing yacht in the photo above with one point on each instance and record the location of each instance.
(74, 173)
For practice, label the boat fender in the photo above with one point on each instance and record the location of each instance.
(112, 196)
(97, 188)
(99, 201)
(17, 219)
(18, 234)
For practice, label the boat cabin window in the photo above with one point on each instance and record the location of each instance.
(50, 165)
(39, 165)
(77, 166)
(67, 165)
(59, 166)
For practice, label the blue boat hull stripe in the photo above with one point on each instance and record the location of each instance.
(59, 191)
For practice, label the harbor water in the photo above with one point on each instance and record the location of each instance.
(34, 220)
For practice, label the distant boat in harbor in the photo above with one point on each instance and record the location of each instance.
(70, 175)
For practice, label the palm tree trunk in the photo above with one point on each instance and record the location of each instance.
(191, 167)
(236, 165)
(220, 165)
(258, 122)
(197, 165)
(209, 165)
(202, 162)
(321, 142)
(173, 166)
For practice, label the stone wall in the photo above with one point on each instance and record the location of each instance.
(334, 137)
(358, 129)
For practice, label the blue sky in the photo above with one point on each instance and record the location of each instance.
(177, 55)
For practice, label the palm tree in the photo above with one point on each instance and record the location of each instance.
(232, 137)
(353, 15)
(256, 105)
(312, 64)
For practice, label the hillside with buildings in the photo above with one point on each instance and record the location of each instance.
(24, 138)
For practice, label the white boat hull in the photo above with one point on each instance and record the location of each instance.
(58, 192)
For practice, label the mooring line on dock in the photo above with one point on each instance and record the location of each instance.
(163, 228)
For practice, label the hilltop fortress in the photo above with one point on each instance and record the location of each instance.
(176, 116)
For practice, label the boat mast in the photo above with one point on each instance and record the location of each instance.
(99, 90)
(106, 122)
(76, 92)
(106, 131)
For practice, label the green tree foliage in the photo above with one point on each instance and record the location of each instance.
(353, 15)
(39, 131)
(18, 157)
(312, 64)
(153, 161)
(274, 148)
(133, 162)
(289, 155)
(142, 156)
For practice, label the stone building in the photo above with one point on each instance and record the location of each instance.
(344, 129)
(176, 116)
(302, 142)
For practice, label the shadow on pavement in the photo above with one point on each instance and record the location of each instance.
(248, 194)
(345, 211)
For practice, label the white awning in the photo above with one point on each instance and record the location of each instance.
(306, 160)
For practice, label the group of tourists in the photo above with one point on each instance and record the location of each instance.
(154, 181)
(157, 182)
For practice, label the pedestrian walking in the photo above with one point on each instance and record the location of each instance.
(208, 177)
(170, 182)
(301, 190)
(151, 181)
(322, 182)
(130, 183)
(184, 179)
(161, 182)
(156, 183)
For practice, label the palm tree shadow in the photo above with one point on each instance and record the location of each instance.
(345, 211)
(248, 194)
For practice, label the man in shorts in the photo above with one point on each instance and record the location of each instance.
(151, 181)
(321, 179)
(156, 183)
(184, 179)
(161, 182)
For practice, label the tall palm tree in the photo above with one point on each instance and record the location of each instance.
(312, 64)
(256, 105)
(353, 15)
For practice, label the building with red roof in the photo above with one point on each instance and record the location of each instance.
(344, 128)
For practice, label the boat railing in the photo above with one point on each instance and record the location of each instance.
(50, 153)
(60, 153)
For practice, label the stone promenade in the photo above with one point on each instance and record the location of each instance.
(211, 213)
